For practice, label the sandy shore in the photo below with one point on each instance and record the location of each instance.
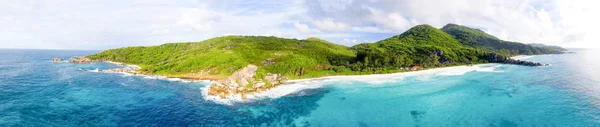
(294, 86)
(455, 70)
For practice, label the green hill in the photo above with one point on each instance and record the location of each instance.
(479, 39)
(221, 56)
(422, 45)
(549, 47)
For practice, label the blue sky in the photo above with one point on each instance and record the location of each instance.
(103, 24)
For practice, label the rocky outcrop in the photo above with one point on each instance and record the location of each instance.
(240, 78)
(495, 58)
(81, 60)
(440, 55)
(245, 81)
(75, 59)
(525, 63)
(56, 59)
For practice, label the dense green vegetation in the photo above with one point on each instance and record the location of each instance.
(223, 55)
(549, 47)
(421, 45)
(479, 39)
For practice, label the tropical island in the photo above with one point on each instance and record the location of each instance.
(238, 65)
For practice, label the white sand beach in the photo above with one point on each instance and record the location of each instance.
(293, 86)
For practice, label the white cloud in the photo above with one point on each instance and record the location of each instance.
(348, 41)
(303, 28)
(558, 22)
(115, 23)
(390, 20)
(370, 29)
(335, 4)
(198, 19)
(96, 24)
(330, 25)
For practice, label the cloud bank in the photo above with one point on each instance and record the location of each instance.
(95, 24)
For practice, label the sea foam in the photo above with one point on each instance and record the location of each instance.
(294, 86)
(277, 92)
(521, 57)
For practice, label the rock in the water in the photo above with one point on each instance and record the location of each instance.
(56, 59)
(80, 60)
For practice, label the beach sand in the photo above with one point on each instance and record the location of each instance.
(293, 86)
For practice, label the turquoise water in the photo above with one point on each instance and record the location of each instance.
(37, 92)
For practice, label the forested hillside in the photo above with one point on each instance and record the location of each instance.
(421, 45)
(222, 56)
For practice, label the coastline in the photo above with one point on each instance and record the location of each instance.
(349, 77)
(456, 70)
(123, 64)
(296, 85)
(131, 70)
(411, 73)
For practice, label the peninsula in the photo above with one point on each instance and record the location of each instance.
(238, 65)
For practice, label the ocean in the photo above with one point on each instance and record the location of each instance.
(37, 92)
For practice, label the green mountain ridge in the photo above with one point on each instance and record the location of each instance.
(420, 45)
(219, 57)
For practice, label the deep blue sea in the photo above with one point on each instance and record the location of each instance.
(36, 92)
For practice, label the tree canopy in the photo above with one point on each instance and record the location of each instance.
(421, 45)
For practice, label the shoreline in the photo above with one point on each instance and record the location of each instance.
(123, 64)
(350, 77)
(296, 85)
(389, 75)
(408, 73)
(131, 70)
